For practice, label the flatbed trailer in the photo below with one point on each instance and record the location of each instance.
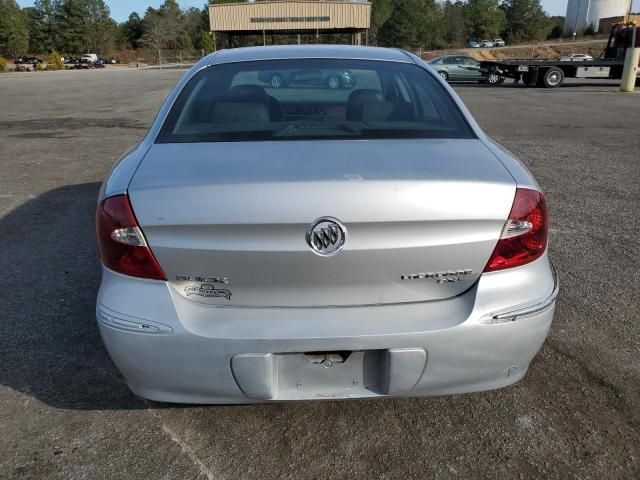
(551, 73)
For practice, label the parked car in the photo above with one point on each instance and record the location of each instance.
(27, 60)
(268, 245)
(577, 57)
(472, 44)
(457, 68)
(329, 77)
(498, 42)
(486, 44)
(72, 62)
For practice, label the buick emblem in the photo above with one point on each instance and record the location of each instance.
(326, 236)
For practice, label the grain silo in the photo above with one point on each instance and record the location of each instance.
(581, 14)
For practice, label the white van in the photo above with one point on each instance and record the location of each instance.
(89, 58)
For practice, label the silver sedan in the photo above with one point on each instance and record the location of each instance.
(303, 242)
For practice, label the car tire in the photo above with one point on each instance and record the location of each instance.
(334, 82)
(494, 78)
(276, 81)
(444, 75)
(553, 77)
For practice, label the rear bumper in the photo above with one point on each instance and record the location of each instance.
(170, 349)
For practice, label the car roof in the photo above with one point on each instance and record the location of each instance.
(281, 52)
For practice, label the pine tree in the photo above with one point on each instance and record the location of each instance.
(133, 30)
(100, 33)
(47, 16)
(14, 35)
(484, 18)
(204, 42)
(381, 10)
(71, 21)
(412, 24)
(38, 40)
(454, 22)
(525, 20)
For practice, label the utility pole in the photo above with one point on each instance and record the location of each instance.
(631, 59)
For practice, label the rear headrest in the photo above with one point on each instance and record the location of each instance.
(357, 101)
(368, 105)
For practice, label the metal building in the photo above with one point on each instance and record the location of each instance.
(291, 17)
(582, 14)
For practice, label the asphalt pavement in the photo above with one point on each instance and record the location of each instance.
(66, 413)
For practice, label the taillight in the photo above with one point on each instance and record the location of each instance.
(524, 236)
(122, 245)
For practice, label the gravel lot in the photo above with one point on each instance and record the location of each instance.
(65, 412)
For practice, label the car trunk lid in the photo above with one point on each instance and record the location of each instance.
(227, 221)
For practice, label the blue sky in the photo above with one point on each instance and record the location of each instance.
(120, 9)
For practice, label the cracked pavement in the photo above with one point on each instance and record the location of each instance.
(65, 412)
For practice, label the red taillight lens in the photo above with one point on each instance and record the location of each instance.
(524, 236)
(121, 243)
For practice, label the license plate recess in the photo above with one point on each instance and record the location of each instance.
(315, 375)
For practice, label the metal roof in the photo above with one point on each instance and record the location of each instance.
(282, 52)
(289, 15)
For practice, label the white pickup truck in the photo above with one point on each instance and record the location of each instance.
(89, 58)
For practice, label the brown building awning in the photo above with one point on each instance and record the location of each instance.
(290, 16)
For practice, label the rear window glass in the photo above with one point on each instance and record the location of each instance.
(312, 99)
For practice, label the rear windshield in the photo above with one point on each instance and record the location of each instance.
(312, 99)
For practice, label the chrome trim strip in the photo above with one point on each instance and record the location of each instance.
(531, 309)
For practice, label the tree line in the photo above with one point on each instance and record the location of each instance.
(433, 24)
(77, 26)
